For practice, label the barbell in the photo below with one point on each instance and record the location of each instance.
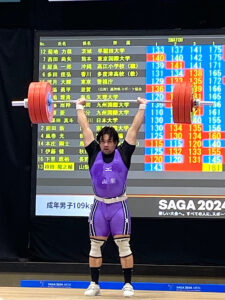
(40, 102)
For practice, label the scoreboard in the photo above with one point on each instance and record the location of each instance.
(177, 170)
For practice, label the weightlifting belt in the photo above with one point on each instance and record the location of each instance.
(112, 200)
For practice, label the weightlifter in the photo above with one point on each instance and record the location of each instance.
(109, 165)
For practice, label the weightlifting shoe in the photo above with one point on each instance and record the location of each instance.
(92, 290)
(128, 290)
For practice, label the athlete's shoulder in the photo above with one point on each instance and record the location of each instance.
(92, 147)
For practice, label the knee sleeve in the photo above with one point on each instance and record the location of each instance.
(96, 248)
(123, 246)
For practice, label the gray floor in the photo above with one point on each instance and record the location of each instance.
(13, 278)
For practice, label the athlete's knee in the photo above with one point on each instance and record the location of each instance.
(123, 246)
(96, 248)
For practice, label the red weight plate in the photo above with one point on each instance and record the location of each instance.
(37, 107)
(47, 110)
(188, 103)
(181, 102)
(175, 104)
(42, 101)
(31, 102)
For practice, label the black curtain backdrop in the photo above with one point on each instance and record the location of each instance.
(113, 14)
(16, 56)
(191, 242)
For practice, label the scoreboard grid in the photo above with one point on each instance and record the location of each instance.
(170, 159)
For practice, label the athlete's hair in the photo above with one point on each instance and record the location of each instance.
(111, 132)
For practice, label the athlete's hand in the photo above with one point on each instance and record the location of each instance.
(141, 100)
(81, 101)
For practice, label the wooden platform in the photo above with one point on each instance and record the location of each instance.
(18, 293)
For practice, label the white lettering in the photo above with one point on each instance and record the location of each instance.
(179, 204)
(162, 204)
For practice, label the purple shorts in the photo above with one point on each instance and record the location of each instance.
(111, 218)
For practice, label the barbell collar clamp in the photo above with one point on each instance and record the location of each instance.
(23, 103)
(197, 103)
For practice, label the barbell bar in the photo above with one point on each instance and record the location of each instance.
(40, 102)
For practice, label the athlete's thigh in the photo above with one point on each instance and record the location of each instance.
(98, 225)
(120, 223)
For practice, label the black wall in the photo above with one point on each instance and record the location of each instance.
(196, 242)
(114, 14)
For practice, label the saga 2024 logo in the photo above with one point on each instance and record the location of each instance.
(192, 205)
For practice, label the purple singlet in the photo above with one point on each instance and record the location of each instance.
(109, 181)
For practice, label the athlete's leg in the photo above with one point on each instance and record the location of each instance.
(99, 232)
(120, 225)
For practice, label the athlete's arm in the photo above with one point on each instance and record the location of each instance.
(83, 121)
(126, 150)
(132, 132)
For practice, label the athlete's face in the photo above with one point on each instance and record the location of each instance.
(107, 145)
